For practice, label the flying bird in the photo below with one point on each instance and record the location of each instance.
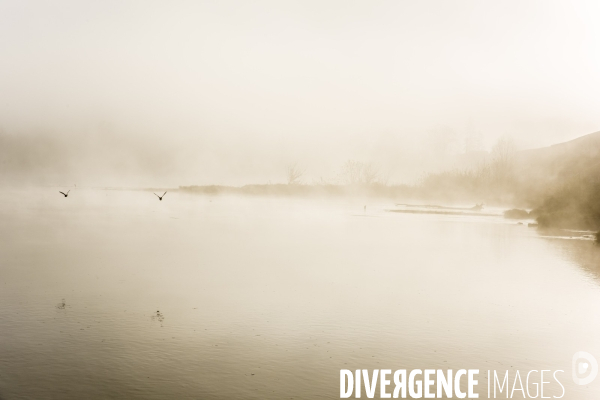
(160, 197)
(64, 194)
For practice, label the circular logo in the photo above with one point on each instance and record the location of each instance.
(585, 368)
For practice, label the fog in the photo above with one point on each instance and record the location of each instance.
(307, 187)
(231, 92)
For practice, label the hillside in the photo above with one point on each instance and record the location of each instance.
(541, 170)
(563, 181)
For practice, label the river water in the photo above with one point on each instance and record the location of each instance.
(114, 294)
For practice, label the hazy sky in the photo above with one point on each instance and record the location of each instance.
(169, 93)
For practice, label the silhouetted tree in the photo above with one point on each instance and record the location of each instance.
(357, 173)
(503, 159)
(294, 173)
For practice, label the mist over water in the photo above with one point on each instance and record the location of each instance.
(115, 294)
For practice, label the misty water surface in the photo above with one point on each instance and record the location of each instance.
(113, 294)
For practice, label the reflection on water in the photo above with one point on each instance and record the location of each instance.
(582, 253)
(62, 305)
(157, 316)
(109, 294)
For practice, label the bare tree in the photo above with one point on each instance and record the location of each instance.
(294, 173)
(370, 174)
(351, 172)
(503, 158)
(356, 173)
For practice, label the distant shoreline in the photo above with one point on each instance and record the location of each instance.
(285, 190)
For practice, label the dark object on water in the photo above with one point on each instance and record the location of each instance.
(477, 207)
(64, 194)
(160, 197)
(515, 213)
(158, 316)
